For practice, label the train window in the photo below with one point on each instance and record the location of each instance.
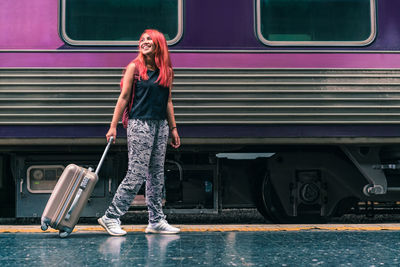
(316, 22)
(119, 22)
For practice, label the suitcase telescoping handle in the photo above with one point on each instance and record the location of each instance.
(104, 155)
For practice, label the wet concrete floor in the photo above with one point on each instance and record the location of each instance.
(208, 248)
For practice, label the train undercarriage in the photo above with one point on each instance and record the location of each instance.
(287, 184)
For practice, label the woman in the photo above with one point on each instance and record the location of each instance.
(150, 121)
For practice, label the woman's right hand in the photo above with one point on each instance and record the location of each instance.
(112, 132)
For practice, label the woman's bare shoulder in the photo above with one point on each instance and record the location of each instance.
(131, 67)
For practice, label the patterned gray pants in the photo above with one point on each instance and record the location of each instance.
(147, 144)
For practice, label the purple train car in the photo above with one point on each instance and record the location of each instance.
(288, 106)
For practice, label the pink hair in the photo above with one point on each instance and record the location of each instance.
(162, 59)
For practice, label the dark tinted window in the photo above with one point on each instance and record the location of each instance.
(296, 21)
(119, 21)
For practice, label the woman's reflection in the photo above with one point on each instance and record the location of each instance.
(158, 246)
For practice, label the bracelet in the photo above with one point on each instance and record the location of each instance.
(173, 128)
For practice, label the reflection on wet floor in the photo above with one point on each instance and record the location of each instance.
(110, 249)
(303, 248)
(156, 249)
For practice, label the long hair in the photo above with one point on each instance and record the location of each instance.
(162, 59)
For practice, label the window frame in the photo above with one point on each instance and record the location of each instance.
(365, 42)
(64, 36)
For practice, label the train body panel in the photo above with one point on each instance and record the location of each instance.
(207, 25)
(314, 123)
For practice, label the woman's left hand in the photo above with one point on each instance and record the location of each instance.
(176, 141)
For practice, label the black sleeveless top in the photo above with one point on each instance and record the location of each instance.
(150, 99)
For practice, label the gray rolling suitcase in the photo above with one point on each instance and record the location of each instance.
(70, 196)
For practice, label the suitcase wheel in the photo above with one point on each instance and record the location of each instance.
(44, 223)
(44, 227)
(63, 234)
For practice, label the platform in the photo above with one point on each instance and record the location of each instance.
(206, 245)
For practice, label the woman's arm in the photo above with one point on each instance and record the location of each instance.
(123, 100)
(175, 142)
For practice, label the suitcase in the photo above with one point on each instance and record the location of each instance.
(70, 196)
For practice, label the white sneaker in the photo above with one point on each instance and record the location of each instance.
(112, 226)
(162, 227)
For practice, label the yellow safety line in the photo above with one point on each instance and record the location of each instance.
(215, 228)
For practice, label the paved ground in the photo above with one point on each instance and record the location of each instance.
(275, 246)
(207, 240)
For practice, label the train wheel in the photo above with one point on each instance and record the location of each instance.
(271, 207)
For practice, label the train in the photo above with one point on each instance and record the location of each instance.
(290, 107)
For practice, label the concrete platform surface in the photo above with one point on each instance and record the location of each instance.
(213, 245)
